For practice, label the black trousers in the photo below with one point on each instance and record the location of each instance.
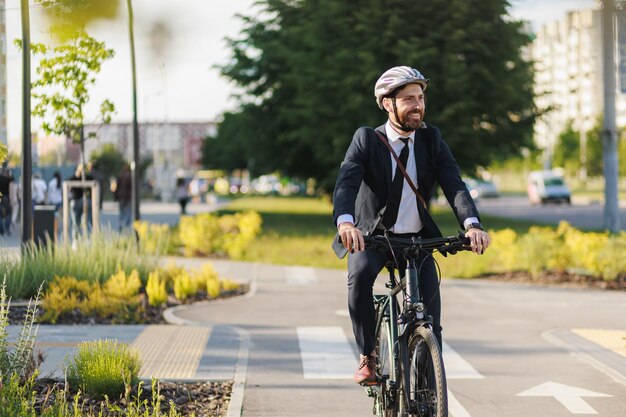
(363, 268)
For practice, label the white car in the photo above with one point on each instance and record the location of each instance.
(547, 186)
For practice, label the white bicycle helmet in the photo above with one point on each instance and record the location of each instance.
(397, 77)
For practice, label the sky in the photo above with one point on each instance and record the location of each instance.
(180, 81)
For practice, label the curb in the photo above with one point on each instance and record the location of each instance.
(235, 406)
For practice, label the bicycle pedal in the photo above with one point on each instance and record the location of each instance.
(370, 383)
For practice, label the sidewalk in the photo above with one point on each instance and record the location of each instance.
(178, 351)
(181, 351)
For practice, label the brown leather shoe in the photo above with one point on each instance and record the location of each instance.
(366, 374)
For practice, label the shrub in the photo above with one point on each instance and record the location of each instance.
(610, 259)
(200, 234)
(213, 288)
(94, 259)
(230, 235)
(155, 289)
(117, 299)
(123, 286)
(240, 234)
(155, 239)
(104, 368)
(183, 287)
(63, 296)
(20, 362)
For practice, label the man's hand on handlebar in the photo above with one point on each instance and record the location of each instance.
(479, 240)
(351, 237)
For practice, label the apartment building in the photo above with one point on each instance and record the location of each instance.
(173, 147)
(568, 76)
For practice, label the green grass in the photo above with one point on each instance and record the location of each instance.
(299, 231)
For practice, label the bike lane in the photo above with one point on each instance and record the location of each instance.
(300, 349)
(527, 344)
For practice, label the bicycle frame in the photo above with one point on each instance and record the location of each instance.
(398, 315)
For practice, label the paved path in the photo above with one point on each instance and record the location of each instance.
(582, 213)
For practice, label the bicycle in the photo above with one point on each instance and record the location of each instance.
(410, 374)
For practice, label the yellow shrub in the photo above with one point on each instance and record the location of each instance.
(537, 248)
(237, 238)
(154, 238)
(502, 254)
(229, 285)
(123, 286)
(64, 295)
(155, 289)
(169, 272)
(205, 233)
(200, 234)
(610, 259)
(213, 288)
(183, 286)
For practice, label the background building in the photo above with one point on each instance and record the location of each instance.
(3, 75)
(173, 147)
(568, 78)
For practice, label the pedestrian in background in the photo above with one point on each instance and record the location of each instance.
(123, 195)
(55, 191)
(15, 191)
(81, 200)
(5, 202)
(182, 193)
(39, 189)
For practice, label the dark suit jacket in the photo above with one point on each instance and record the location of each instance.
(365, 177)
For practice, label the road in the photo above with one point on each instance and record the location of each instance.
(511, 350)
(582, 214)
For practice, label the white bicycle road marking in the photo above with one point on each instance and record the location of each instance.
(570, 397)
(456, 366)
(300, 275)
(455, 408)
(326, 353)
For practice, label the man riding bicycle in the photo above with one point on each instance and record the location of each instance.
(373, 196)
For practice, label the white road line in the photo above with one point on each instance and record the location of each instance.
(456, 366)
(455, 408)
(300, 275)
(326, 353)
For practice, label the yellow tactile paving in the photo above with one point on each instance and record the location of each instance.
(171, 351)
(614, 340)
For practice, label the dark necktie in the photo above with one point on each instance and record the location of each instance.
(395, 193)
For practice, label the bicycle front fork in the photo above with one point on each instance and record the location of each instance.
(413, 297)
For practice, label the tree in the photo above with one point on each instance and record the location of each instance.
(62, 87)
(307, 70)
(109, 162)
(567, 150)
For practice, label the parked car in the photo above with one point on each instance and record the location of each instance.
(479, 188)
(547, 186)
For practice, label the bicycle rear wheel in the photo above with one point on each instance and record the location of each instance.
(427, 391)
(385, 404)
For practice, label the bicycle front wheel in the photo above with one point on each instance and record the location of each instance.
(427, 391)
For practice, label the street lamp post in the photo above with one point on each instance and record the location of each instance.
(27, 207)
(135, 163)
(609, 142)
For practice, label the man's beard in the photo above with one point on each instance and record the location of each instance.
(412, 122)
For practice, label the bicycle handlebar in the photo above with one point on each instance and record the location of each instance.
(412, 246)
